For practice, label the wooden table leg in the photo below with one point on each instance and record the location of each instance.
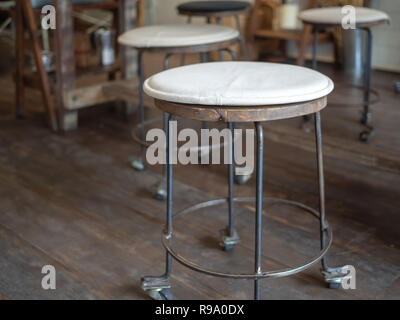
(303, 44)
(45, 85)
(128, 56)
(65, 60)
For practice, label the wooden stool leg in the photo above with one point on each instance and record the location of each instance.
(303, 44)
(20, 60)
(48, 101)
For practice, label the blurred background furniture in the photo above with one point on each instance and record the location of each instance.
(217, 10)
(59, 86)
(273, 23)
(325, 18)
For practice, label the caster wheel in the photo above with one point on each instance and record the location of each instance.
(242, 180)
(160, 295)
(334, 285)
(228, 248)
(161, 194)
(364, 136)
(228, 242)
(397, 87)
(138, 165)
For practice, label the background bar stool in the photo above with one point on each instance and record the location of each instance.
(218, 10)
(169, 40)
(233, 92)
(323, 18)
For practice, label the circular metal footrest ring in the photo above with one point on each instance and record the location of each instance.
(203, 150)
(139, 126)
(167, 239)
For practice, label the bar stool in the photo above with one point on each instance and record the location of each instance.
(170, 40)
(365, 18)
(218, 10)
(244, 92)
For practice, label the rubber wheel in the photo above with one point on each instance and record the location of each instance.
(138, 165)
(228, 248)
(364, 136)
(334, 285)
(160, 195)
(166, 294)
(242, 180)
(160, 295)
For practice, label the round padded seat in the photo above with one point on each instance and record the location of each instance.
(213, 6)
(238, 84)
(334, 16)
(164, 36)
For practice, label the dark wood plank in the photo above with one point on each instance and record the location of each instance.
(21, 265)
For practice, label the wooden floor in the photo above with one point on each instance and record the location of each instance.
(71, 200)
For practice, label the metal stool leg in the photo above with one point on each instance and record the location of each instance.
(367, 115)
(244, 178)
(229, 236)
(239, 179)
(241, 39)
(183, 59)
(259, 208)
(333, 276)
(159, 287)
(307, 119)
(139, 164)
(220, 53)
(161, 191)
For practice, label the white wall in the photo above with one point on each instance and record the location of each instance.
(386, 49)
(386, 53)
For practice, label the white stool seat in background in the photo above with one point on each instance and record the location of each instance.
(166, 36)
(334, 15)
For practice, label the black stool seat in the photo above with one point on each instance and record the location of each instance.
(213, 6)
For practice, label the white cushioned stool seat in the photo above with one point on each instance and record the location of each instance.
(334, 15)
(167, 36)
(238, 84)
